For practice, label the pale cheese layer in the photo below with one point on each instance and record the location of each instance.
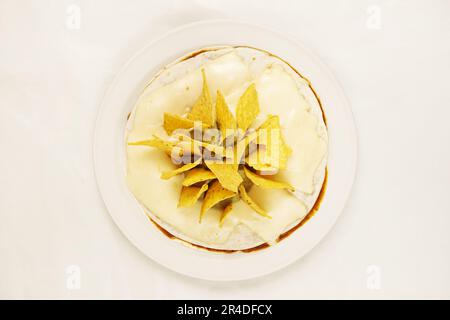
(279, 94)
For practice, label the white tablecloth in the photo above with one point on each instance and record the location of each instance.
(58, 57)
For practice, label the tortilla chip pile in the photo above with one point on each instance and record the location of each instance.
(220, 156)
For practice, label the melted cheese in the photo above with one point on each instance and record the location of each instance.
(283, 207)
(278, 94)
(308, 150)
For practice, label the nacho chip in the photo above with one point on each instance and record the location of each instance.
(169, 174)
(190, 195)
(226, 211)
(187, 143)
(272, 122)
(241, 147)
(277, 151)
(173, 122)
(184, 148)
(213, 151)
(259, 160)
(265, 182)
(225, 119)
(210, 135)
(247, 108)
(226, 173)
(156, 142)
(203, 108)
(197, 175)
(179, 152)
(244, 196)
(215, 194)
(260, 166)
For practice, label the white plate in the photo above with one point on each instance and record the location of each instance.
(109, 152)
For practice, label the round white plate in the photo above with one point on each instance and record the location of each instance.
(109, 152)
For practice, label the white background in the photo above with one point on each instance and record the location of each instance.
(395, 71)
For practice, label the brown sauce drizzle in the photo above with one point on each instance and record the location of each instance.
(198, 52)
(173, 237)
(311, 212)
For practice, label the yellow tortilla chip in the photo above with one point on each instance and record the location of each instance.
(262, 162)
(215, 194)
(169, 174)
(263, 167)
(178, 150)
(226, 173)
(247, 108)
(277, 151)
(213, 151)
(226, 211)
(190, 195)
(241, 147)
(156, 142)
(244, 196)
(265, 182)
(225, 119)
(197, 175)
(184, 148)
(210, 135)
(173, 122)
(259, 160)
(203, 108)
(272, 122)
